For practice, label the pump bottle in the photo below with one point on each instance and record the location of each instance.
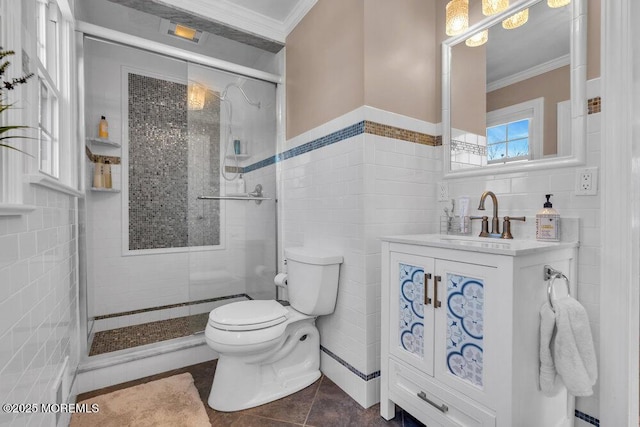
(548, 222)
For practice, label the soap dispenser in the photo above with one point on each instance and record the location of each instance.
(548, 222)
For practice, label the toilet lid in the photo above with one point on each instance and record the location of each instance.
(248, 315)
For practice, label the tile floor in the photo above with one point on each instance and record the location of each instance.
(322, 404)
(147, 333)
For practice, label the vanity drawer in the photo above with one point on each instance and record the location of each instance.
(431, 404)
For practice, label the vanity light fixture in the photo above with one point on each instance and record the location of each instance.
(457, 17)
(516, 20)
(478, 39)
(196, 94)
(491, 7)
(558, 3)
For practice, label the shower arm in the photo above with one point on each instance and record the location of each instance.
(223, 95)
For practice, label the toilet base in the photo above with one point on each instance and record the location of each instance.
(242, 382)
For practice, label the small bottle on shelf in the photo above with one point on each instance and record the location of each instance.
(98, 176)
(103, 128)
(241, 187)
(106, 173)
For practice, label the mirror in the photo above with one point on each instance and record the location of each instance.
(517, 102)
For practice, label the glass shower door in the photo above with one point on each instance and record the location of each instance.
(232, 187)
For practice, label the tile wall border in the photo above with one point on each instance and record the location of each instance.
(164, 307)
(366, 377)
(588, 418)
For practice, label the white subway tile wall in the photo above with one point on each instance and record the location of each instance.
(523, 194)
(347, 194)
(38, 302)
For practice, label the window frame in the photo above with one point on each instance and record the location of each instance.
(532, 110)
(49, 55)
(17, 168)
(508, 141)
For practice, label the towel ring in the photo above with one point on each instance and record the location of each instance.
(550, 275)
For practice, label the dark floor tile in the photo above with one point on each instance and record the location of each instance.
(409, 421)
(333, 407)
(247, 420)
(322, 404)
(293, 408)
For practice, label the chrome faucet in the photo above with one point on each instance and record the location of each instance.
(495, 221)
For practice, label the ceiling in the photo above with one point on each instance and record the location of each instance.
(544, 39)
(278, 10)
(264, 24)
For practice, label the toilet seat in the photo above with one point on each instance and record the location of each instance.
(248, 315)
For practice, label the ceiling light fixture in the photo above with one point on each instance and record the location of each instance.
(478, 39)
(491, 7)
(184, 32)
(457, 17)
(516, 20)
(558, 3)
(196, 94)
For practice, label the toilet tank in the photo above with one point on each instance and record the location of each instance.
(312, 279)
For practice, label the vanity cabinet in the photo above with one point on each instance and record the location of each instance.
(460, 321)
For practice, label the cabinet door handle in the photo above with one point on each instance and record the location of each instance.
(427, 300)
(436, 303)
(442, 408)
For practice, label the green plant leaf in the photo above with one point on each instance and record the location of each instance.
(17, 149)
(4, 129)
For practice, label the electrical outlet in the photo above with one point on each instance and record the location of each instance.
(587, 182)
(443, 191)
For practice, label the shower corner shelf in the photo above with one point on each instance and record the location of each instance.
(104, 142)
(238, 156)
(105, 190)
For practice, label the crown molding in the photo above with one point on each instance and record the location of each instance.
(245, 19)
(302, 8)
(537, 70)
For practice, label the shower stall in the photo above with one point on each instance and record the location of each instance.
(180, 196)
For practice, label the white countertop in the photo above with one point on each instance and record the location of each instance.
(510, 247)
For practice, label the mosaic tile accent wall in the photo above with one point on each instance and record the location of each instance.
(204, 173)
(594, 105)
(173, 155)
(355, 129)
(480, 150)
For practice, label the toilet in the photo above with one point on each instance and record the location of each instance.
(267, 350)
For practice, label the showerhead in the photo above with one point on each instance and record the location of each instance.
(223, 95)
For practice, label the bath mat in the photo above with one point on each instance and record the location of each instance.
(170, 402)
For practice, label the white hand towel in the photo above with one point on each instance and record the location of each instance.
(547, 367)
(573, 351)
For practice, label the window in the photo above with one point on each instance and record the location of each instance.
(508, 142)
(48, 41)
(515, 132)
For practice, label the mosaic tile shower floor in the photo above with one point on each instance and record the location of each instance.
(147, 333)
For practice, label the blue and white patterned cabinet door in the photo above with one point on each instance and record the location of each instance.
(411, 312)
(465, 321)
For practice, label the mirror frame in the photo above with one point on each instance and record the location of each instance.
(578, 93)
